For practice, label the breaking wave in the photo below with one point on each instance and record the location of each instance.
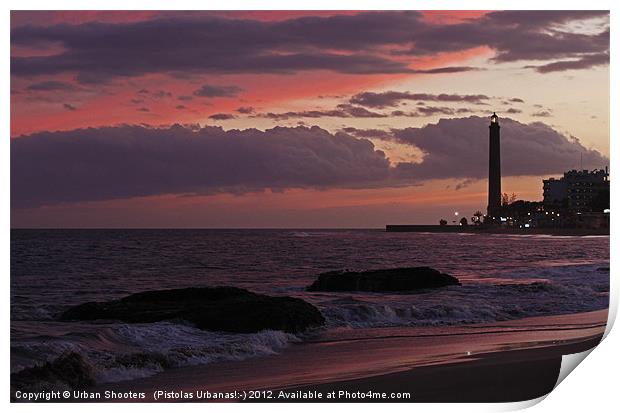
(562, 290)
(123, 352)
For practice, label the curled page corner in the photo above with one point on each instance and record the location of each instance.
(522, 405)
(611, 314)
(569, 362)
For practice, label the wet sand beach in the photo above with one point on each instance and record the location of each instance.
(505, 361)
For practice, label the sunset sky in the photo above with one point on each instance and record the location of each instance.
(296, 119)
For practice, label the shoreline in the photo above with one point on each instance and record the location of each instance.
(502, 361)
(472, 229)
(495, 377)
(428, 228)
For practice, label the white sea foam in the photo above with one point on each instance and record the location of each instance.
(563, 289)
(129, 351)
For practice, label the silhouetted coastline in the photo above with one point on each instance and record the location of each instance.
(471, 229)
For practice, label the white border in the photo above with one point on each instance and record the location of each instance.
(591, 387)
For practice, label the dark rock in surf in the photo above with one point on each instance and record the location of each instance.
(67, 372)
(388, 280)
(217, 309)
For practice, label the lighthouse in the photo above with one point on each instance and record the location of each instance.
(495, 174)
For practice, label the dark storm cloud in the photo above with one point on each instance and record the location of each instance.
(459, 148)
(516, 100)
(451, 69)
(128, 161)
(382, 100)
(513, 110)
(50, 85)
(245, 110)
(143, 94)
(119, 162)
(369, 133)
(527, 19)
(402, 113)
(344, 110)
(426, 111)
(359, 112)
(98, 52)
(465, 183)
(302, 114)
(222, 116)
(585, 62)
(161, 94)
(542, 114)
(533, 35)
(434, 110)
(214, 91)
(393, 98)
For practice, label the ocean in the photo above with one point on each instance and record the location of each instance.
(504, 277)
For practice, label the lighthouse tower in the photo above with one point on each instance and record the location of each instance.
(495, 174)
